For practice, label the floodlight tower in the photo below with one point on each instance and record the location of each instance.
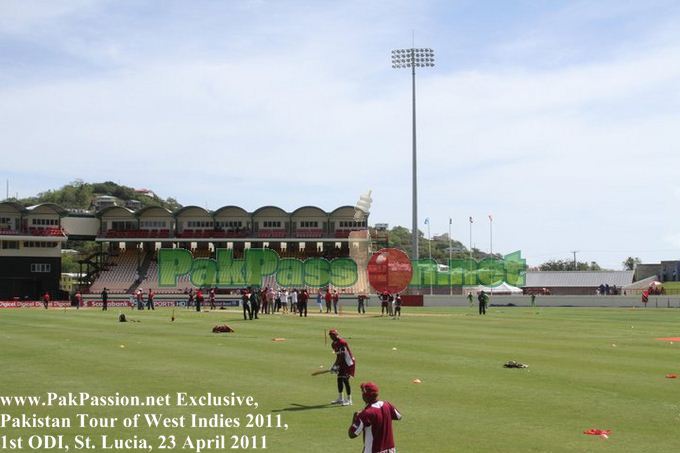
(412, 58)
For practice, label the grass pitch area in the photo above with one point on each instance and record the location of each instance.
(588, 368)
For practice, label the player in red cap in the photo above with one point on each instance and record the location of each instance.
(343, 366)
(375, 421)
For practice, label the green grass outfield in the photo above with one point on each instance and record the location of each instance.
(589, 368)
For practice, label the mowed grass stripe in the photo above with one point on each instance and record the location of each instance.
(467, 401)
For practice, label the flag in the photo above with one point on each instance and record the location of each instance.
(427, 220)
(471, 219)
(490, 218)
(450, 221)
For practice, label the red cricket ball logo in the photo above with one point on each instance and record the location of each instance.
(389, 270)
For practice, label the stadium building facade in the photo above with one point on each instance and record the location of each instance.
(31, 240)
(30, 249)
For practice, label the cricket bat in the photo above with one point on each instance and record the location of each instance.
(316, 373)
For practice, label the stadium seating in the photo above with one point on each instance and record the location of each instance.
(128, 234)
(120, 273)
(151, 278)
(185, 234)
(272, 233)
(269, 281)
(309, 233)
(53, 232)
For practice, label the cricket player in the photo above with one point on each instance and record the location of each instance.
(344, 366)
(375, 421)
(361, 303)
(483, 299)
(254, 302)
(384, 303)
(302, 301)
(396, 306)
(336, 300)
(245, 304)
(149, 300)
(105, 299)
(328, 297)
(199, 299)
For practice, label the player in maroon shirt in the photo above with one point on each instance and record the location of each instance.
(375, 421)
(343, 366)
(303, 297)
(199, 299)
(328, 297)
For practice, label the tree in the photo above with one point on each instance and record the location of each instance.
(69, 264)
(400, 237)
(630, 263)
(568, 265)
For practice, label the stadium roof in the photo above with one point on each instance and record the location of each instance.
(548, 279)
(14, 205)
(144, 211)
(335, 211)
(230, 208)
(51, 206)
(203, 211)
(127, 212)
(276, 209)
(317, 209)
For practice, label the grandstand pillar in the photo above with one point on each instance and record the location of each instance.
(139, 257)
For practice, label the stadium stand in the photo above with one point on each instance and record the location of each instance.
(150, 279)
(128, 236)
(120, 272)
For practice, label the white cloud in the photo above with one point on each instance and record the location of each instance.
(24, 16)
(565, 154)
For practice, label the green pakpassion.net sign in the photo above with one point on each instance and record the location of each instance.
(469, 272)
(226, 272)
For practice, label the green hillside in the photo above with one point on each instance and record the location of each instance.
(80, 195)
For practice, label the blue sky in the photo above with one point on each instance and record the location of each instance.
(559, 118)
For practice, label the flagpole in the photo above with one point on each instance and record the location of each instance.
(470, 237)
(429, 243)
(491, 235)
(450, 258)
(491, 244)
